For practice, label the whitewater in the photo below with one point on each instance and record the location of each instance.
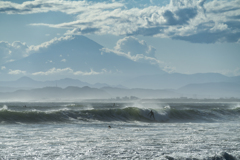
(80, 130)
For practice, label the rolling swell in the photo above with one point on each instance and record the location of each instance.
(128, 114)
(66, 115)
(8, 116)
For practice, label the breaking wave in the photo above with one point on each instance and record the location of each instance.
(165, 114)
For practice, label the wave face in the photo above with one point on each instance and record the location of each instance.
(163, 113)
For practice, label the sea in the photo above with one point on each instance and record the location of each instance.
(123, 130)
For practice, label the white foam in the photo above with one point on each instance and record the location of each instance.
(167, 107)
(149, 106)
(5, 107)
(236, 106)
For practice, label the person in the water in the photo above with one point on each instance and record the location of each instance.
(151, 114)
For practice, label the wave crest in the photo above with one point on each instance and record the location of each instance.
(128, 114)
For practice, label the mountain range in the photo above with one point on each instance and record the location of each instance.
(66, 89)
(28, 83)
(55, 94)
(177, 80)
(82, 61)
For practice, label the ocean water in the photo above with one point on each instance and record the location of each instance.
(191, 131)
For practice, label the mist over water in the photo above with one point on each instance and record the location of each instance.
(80, 130)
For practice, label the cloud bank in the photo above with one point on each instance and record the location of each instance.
(189, 20)
(65, 6)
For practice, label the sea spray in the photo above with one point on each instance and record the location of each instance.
(5, 107)
(60, 131)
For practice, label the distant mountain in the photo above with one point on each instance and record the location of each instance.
(55, 93)
(73, 93)
(175, 80)
(203, 85)
(80, 54)
(212, 90)
(13, 89)
(99, 85)
(66, 82)
(28, 83)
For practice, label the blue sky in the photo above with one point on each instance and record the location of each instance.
(180, 36)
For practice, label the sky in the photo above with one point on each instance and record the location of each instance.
(177, 36)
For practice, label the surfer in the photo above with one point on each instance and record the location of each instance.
(151, 114)
(113, 104)
(109, 127)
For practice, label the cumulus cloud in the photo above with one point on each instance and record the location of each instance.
(169, 69)
(3, 67)
(134, 49)
(139, 51)
(197, 21)
(68, 71)
(134, 46)
(12, 51)
(35, 48)
(181, 19)
(181, 16)
(39, 6)
(16, 72)
(63, 60)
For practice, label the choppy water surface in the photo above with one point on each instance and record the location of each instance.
(80, 131)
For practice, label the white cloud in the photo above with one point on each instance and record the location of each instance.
(3, 67)
(68, 71)
(16, 72)
(137, 57)
(63, 60)
(190, 20)
(49, 61)
(134, 49)
(227, 72)
(92, 72)
(10, 52)
(139, 51)
(41, 6)
(33, 48)
(134, 46)
(54, 71)
(10, 60)
(169, 69)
